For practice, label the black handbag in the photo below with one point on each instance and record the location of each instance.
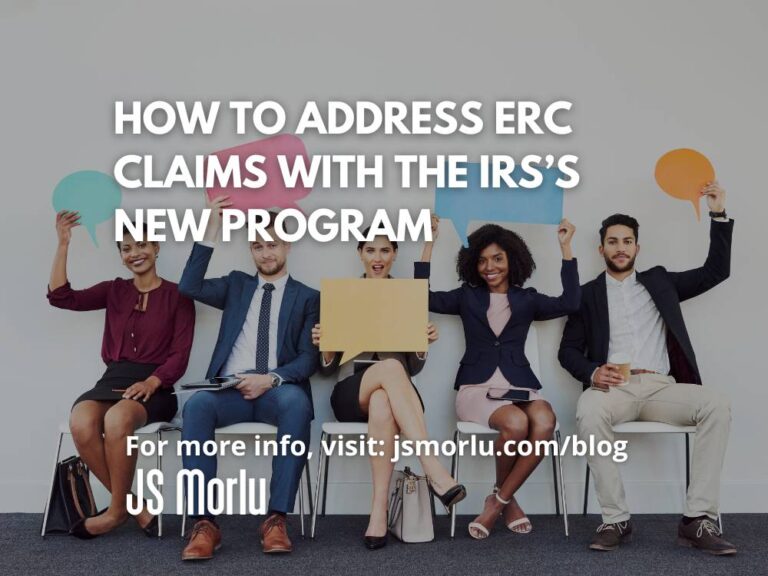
(71, 496)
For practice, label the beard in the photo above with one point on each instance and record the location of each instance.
(613, 267)
(271, 268)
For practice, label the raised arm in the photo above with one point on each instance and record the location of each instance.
(193, 283)
(717, 266)
(548, 307)
(65, 221)
(60, 293)
(440, 302)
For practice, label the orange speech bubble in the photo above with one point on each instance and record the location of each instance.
(682, 173)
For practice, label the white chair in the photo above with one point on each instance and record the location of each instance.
(472, 429)
(157, 429)
(330, 429)
(262, 429)
(645, 427)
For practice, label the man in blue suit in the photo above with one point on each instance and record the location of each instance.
(265, 339)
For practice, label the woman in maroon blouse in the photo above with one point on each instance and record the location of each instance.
(148, 331)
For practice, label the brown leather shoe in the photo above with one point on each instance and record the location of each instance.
(611, 536)
(274, 535)
(204, 541)
(704, 534)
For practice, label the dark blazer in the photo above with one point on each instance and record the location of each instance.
(299, 311)
(485, 352)
(584, 346)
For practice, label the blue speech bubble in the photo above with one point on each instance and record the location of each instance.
(542, 205)
(94, 195)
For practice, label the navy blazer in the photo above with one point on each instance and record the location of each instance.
(584, 346)
(485, 352)
(299, 312)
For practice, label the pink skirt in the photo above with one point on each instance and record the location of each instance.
(473, 406)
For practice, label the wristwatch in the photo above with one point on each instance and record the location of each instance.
(718, 214)
(276, 380)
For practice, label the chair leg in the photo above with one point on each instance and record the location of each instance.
(455, 474)
(586, 491)
(53, 483)
(320, 466)
(325, 482)
(301, 503)
(160, 467)
(720, 522)
(183, 513)
(561, 477)
(554, 479)
(309, 488)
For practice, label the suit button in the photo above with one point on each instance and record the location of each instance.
(497, 343)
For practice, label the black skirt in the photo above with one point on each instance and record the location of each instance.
(345, 399)
(161, 406)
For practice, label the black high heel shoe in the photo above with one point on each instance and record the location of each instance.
(375, 542)
(450, 497)
(151, 529)
(80, 531)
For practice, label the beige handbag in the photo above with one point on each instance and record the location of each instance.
(411, 507)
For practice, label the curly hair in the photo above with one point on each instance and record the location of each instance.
(519, 259)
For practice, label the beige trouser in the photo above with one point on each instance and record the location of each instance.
(657, 398)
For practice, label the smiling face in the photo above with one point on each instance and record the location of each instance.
(493, 267)
(620, 248)
(377, 257)
(138, 256)
(270, 256)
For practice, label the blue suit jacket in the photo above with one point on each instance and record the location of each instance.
(485, 352)
(297, 358)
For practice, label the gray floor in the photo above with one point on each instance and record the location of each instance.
(338, 550)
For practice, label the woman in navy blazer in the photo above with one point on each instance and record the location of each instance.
(496, 312)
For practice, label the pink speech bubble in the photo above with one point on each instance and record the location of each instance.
(274, 194)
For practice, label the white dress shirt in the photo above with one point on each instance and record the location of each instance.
(636, 327)
(243, 355)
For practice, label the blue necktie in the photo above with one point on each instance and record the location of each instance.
(262, 334)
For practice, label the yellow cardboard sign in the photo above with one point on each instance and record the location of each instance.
(373, 315)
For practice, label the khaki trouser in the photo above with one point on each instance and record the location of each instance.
(657, 398)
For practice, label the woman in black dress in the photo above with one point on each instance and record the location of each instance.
(384, 396)
(148, 333)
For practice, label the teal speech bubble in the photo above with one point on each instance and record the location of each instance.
(94, 195)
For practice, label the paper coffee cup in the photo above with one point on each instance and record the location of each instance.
(623, 362)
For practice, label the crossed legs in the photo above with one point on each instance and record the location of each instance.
(392, 405)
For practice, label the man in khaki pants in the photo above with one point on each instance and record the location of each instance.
(637, 315)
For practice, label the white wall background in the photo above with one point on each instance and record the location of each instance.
(644, 78)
